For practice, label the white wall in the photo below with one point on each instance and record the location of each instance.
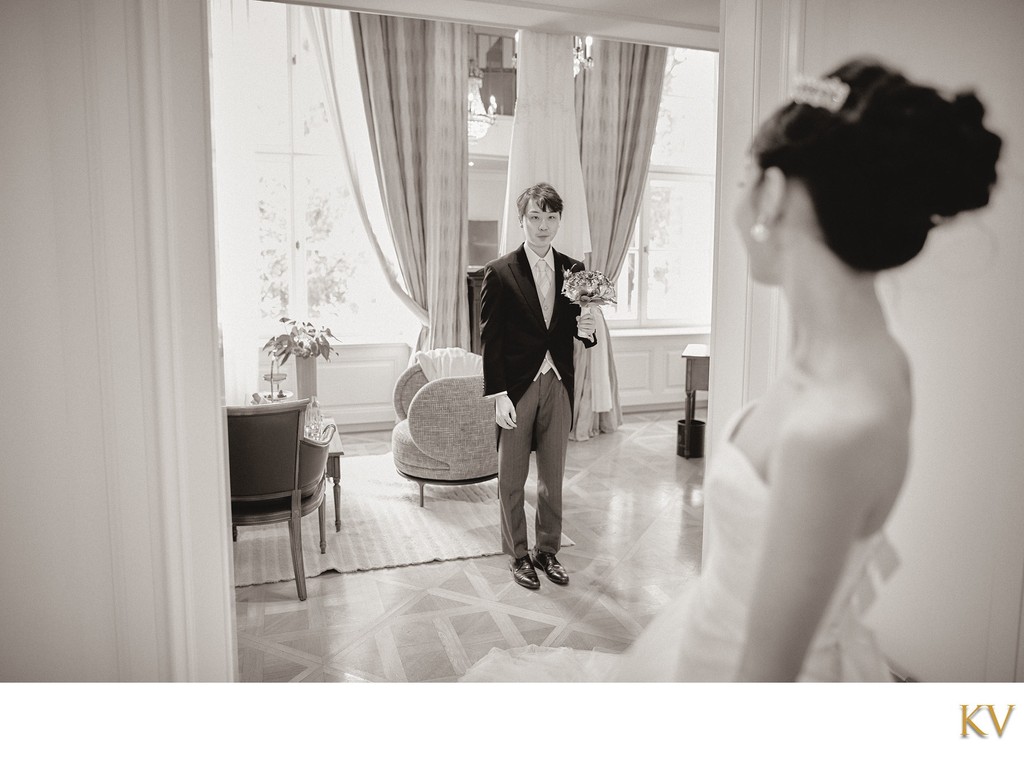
(953, 611)
(356, 387)
(651, 371)
(487, 192)
(748, 333)
(65, 575)
(114, 547)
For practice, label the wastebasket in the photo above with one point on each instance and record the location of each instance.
(694, 447)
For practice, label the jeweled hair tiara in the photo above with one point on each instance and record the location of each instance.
(829, 94)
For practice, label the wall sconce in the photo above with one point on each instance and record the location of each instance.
(581, 53)
(581, 57)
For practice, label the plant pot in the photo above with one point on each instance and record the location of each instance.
(305, 377)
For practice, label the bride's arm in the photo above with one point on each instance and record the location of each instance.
(826, 476)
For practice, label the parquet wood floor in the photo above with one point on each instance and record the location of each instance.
(634, 509)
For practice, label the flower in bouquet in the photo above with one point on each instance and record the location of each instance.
(587, 287)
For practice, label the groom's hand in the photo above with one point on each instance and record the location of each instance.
(504, 412)
(586, 325)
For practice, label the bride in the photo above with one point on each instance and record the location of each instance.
(846, 180)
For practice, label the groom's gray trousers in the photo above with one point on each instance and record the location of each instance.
(542, 414)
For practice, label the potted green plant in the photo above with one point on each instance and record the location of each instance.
(306, 343)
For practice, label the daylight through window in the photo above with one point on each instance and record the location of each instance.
(665, 280)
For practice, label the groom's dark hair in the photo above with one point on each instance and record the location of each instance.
(547, 199)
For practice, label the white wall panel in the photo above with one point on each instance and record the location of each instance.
(356, 386)
(651, 371)
(634, 371)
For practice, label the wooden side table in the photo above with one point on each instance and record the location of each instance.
(334, 454)
(698, 370)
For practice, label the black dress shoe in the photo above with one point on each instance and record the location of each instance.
(523, 572)
(552, 568)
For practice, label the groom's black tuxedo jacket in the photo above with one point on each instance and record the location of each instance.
(513, 333)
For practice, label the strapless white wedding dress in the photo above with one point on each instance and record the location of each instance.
(699, 635)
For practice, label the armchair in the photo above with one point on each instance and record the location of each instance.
(446, 432)
(276, 474)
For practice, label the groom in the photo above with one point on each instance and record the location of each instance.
(527, 331)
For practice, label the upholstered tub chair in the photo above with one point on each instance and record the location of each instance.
(446, 433)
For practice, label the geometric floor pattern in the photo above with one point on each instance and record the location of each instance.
(634, 509)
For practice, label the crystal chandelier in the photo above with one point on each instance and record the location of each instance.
(480, 118)
(581, 58)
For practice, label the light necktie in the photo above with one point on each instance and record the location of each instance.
(543, 276)
(544, 288)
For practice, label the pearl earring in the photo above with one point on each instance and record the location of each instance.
(760, 232)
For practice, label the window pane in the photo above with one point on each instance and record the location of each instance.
(319, 205)
(626, 286)
(273, 207)
(346, 289)
(686, 133)
(681, 217)
(268, 26)
(313, 128)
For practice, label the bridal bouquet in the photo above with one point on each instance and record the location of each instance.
(587, 287)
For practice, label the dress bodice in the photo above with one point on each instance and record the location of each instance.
(709, 620)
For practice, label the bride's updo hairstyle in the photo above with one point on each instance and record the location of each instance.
(895, 159)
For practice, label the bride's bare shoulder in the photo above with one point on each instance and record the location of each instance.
(872, 402)
(852, 439)
(835, 422)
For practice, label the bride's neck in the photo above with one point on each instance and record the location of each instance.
(835, 310)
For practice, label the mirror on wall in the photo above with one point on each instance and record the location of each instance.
(492, 53)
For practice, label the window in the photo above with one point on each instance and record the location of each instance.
(665, 279)
(314, 261)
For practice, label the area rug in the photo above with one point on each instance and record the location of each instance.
(382, 525)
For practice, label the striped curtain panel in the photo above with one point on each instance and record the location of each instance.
(415, 75)
(616, 113)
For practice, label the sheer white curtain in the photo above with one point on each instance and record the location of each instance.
(234, 174)
(235, 30)
(335, 52)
